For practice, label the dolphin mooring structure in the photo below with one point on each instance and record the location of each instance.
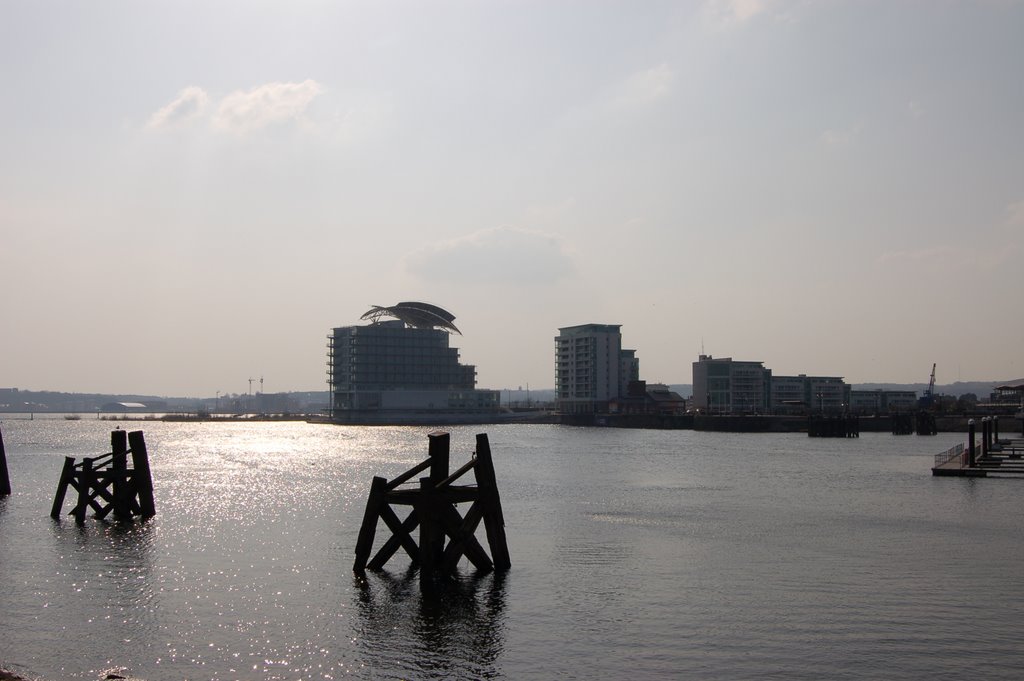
(445, 535)
(106, 484)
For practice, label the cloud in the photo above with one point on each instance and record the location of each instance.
(935, 255)
(969, 259)
(243, 112)
(840, 139)
(500, 255)
(239, 112)
(190, 104)
(1015, 214)
(361, 116)
(646, 87)
(724, 12)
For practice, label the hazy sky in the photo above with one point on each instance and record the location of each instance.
(196, 193)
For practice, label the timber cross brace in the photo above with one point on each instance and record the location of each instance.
(130, 490)
(433, 511)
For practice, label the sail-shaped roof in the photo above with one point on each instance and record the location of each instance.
(415, 314)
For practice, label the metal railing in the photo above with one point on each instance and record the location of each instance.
(950, 454)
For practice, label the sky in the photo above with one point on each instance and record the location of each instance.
(193, 194)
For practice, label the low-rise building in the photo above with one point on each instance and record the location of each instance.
(727, 386)
(882, 401)
(655, 399)
(803, 393)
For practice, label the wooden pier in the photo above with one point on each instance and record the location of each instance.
(107, 479)
(433, 510)
(988, 458)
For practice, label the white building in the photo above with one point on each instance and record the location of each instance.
(592, 368)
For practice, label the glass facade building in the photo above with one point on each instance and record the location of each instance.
(391, 366)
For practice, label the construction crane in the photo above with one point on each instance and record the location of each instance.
(928, 398)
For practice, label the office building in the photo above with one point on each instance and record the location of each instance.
(728, 386)
(882, 401)
(800, 394)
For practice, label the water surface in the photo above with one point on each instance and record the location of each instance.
(639, 554)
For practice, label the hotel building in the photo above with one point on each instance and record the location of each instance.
(400, 366)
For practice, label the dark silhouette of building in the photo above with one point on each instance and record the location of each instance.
(400, 365)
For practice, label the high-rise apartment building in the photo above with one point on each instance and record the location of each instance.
(592, 368)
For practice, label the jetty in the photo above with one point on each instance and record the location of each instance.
(986, 457)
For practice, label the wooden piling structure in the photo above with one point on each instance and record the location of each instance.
(494, 520)
(845, 425)
(106, 484)
(445, 535)
(119, 471)
(143, 478)
(924, 423)
(902, 424)
(67, 474)
(5, 478)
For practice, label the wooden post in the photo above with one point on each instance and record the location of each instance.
(494, 520)
(984, 438)
(142, 478)
(431, 530)
(5, 478)
(995, 429)
(119, 473)
(66, 474)
(439, 449)
(85, 483)
(367, 531)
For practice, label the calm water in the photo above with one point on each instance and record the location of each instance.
(636, 554)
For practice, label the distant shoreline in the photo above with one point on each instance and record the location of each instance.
(724, 423)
